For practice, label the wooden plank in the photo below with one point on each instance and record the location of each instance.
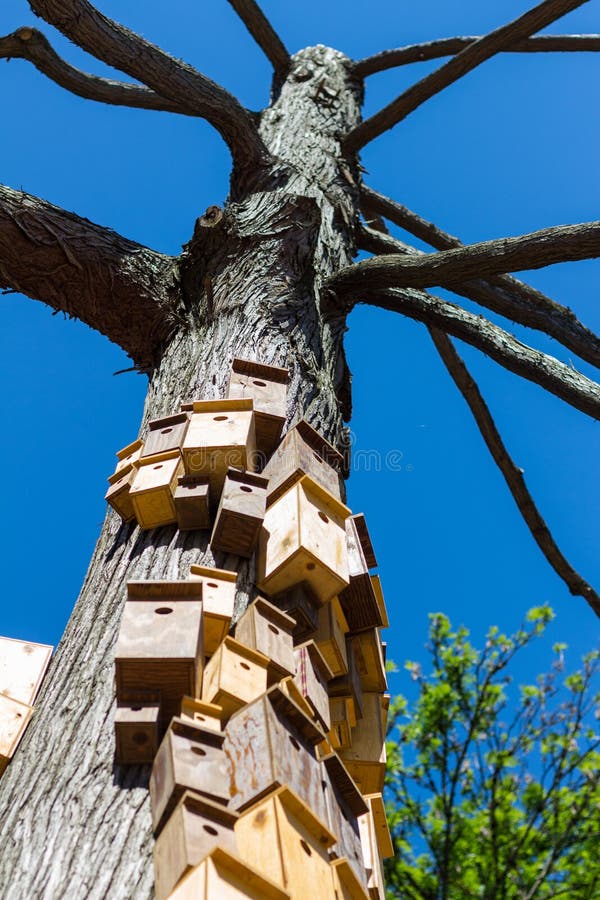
(346, 884)
(165, 434)
(266, 386)
(378, 591)
(369, 660)
(303, 451)
(264, 627)
(240, 514)
(372, 859)
(234, 676)
(222, 876)
(312, 676)
(365, 540)
(14, 719)
(137, 732)
(359, 599)
(365, 759)
(153, 486)
(218, 601)
(380, 824)
(331, 637)
(207, 715)
(23, 665)
(192, 502)
(345, 804)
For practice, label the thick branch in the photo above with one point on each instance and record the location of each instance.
(512, 474)
(30, 44)
(468, 59)
(544, 43)
(124, 290)
(178, 81)
(508, 297)
(563, 243)
(499, 345)
(264, 34)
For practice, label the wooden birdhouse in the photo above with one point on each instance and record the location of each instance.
(369, 660)
(273, 744)
(345, 805)
(331, 636)
(14, 719)
(365, 759)
(119, 493)
(153, 487)
(371, 857)
(159, 650)
(206, 715)
(234, 676)
(220, 434)
(380, 825)
(343, 719)
(266, 386)
(264, 627)
(312, 675)
(128, 455)
(283, 838)
(303, 540)
(377, 590)
(196, 827)
(221, 876)
(240, 514)
(349, 685)
(218, 600)
(192, 502)
(22, 668)
(346, 884)
(137, 732)
(303, 451)
(301, 603)
(359, 600)
(165, 434)
(189, 758)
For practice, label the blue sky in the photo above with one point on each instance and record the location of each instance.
(511, 148)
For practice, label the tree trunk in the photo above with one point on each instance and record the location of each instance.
(72, 823)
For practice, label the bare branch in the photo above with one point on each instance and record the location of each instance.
(178, 81)
(562, 243)
(508, 297)
(30, 44)
(544, 43)
(263, 33)
(468, 59)
(124, 290)
(499, 345)
(512, 474)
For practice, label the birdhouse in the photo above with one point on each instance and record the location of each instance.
(369, 660)
(283, 838)
(371, 857)
(346, 884)
(192, 502)
(349, 685)
(365, 759)
(165, 434)
(196, 827)
(128, 455)
(206, 715)
(159, 650)
(137, 732)
(221, 875)
(358, 599)
(218, 600)
(343, 719)
(380, 825)
(265, 628)
(189, 758)
(14, 719)
(119, 493)
(234, 676)
(345, 805)
(303, 539)
(303, 451)
(312, 675)
(220, 434)
(331, 637)
(240, 514)
(302, 605)
(273, 744)
(266, 386)
(22, 668)
(153, 487)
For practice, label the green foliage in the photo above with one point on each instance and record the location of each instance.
(488, 797)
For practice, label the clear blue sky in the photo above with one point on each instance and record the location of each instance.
(511, 148)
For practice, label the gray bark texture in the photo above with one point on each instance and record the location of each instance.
(72, 823)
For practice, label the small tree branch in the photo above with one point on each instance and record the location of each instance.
(123, 290)
(465, 61)
(171, 78)
(511, 473)
(520, 304)
(544, 43)
(30, 44)
(499, 345)
(264, 34)
(562, 243)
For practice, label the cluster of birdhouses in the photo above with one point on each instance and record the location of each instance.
(265, 731)
(22, 669)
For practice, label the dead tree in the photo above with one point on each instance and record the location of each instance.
(270, 276)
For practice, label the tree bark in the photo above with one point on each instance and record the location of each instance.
(72, 824)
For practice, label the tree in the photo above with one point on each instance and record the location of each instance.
(270, 275)
(488, 798)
